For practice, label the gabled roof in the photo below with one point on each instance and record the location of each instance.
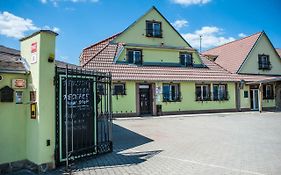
(10, 60)
(232, 55)
(166, 20)
(100, 57)
(278, 51)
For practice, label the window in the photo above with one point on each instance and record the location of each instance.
(186, 59)
(134, 56)
(119, 89)
(202, 92)
(268, 91)
(264, 62)
(246, 94)
(220, 92)
(153, 29)
(171, 92)
(100, 89)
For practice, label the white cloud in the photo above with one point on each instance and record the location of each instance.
(55, 29)
(242, 35)
(56, 2)
(211, 37)
(16, 27)
(178, 24)
(190, 2)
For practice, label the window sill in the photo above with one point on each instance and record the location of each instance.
(171, 101)
(154, 36)
(271, 98)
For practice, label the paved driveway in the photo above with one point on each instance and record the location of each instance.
(214, 144)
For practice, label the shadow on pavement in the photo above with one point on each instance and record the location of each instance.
(123, 139)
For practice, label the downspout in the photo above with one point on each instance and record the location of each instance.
(238, 103)
(260, 98)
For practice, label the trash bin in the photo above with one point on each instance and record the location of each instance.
(158, 110)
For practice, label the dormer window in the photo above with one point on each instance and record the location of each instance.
(264, 62)
(153, 29)
(134, 56)
(186, 59)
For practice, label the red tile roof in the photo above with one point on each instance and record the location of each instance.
(279, 52)
(101, 56)
(232, 55)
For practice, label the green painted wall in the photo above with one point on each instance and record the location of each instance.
(13, 123)
(188, 100)
(160, 55)
(263, 46)
(137, 33)
(125, 103)
(41, 81)
(245, 102)
(188, 103)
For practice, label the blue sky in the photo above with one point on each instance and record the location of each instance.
(81, 23)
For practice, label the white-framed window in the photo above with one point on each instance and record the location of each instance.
(186, 59)
(220, 92)
(134, 56)
(153, 29)
(268, 92)
(264, 62)
(171, 92)
(202, 92)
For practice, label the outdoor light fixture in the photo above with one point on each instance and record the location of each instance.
(51, 58)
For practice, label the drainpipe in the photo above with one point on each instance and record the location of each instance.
(260, 98)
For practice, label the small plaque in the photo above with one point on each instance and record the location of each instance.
(33, 96)
(19, 95)
(34, 47)
(33, 58)
(19, 83)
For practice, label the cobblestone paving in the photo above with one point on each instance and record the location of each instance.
(214, 144)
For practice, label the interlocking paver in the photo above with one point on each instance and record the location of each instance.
(221, 144)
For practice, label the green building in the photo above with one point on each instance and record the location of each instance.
(49, 110)
(156, 72)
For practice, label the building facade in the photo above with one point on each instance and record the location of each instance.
(155, 71)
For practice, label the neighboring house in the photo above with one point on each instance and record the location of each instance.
(155, 71)
(253, 55)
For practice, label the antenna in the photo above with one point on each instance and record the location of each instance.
(200, 49)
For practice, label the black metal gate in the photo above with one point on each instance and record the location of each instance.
(83, 113)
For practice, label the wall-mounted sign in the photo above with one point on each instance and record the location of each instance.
(34, 47)
(19, 83)
(19, 98)
(33, 110)
(33, 96)
(33, 58)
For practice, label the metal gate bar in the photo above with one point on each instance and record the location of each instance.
(83, 113)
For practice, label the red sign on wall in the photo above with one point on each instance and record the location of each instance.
(34, 47)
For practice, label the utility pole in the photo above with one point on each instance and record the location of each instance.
(200, 40)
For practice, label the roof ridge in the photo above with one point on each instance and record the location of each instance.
(99, 42)
(234, 41)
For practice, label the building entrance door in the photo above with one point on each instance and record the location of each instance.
(145, 99)
(254, 94)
